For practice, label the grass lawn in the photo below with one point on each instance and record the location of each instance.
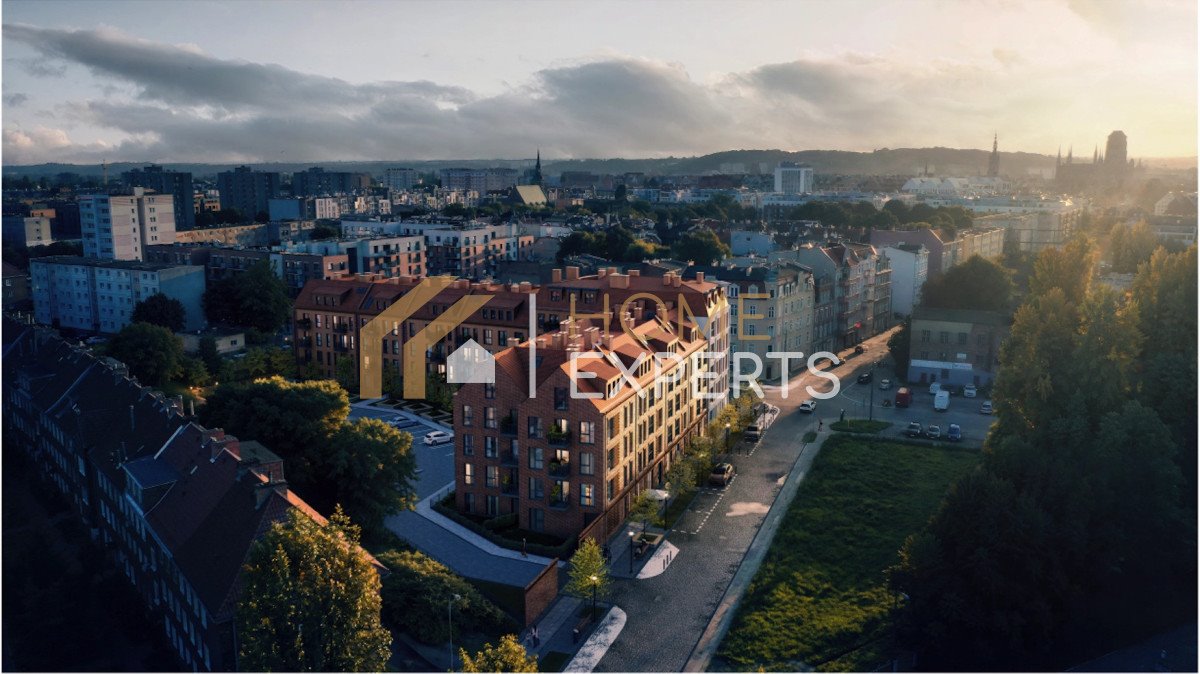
(820, 597)
(860, 426)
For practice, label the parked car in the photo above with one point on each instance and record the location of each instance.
(941, 401)
(986, 407)
(914, 429)
(864, 378)
(934, 388)
(954, 433)
(96, 340)
(438, 437)
(859, 350)
(753, 431)
(809, 406)
(969, 391)
(885, 384)
(903, 397)
(933, 432)
(721, 475)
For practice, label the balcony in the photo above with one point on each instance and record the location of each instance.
(304, 323)
(560, 468)
(508, 486)
(341, 327)
(510, 458)
(557, 500)
(558, 438)
(508, 425)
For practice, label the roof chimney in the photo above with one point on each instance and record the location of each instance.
(556, 276)
(602, 272)
(634, 272)
(699, 277)
(572, 273)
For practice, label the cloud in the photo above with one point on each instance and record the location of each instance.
(161, 102)
(14, 100)
(41, 68)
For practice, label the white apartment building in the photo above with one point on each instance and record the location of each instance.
(119, 227)
(100, 295)
(27, 232)
(792, 178)
(910, 269)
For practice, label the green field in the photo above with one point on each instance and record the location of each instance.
(820, 597)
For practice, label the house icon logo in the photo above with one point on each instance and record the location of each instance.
(470, 364)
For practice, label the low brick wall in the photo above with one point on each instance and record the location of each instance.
(540, 592)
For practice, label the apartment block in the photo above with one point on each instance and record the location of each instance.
(247, 191)
(848, 272)
(27, 232)
(178, 184)
(100, 295)
(304, 208)
(119, 227)
(317, 182)
(479, 180)
(176, 506)
(570, 465)
(956, 346)
(910, 269)
(401, 179)
(944, 254)
(257, 234)
(295, 267)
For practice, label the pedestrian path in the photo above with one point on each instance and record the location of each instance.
(561, 617)
(659, 561)
(425, 509)
(599, 642)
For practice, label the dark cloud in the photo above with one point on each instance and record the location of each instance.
(177, 104)
(14, 100)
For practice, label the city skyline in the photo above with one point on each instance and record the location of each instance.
(201, 81)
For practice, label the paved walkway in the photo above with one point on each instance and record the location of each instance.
(722, 618)
(597, 645)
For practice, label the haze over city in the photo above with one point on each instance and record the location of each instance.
(297, 81)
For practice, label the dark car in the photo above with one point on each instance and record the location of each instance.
(954, 434)
(915, 430)
(859, 350)
(864, 378)
(721, 475)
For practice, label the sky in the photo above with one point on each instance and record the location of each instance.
(215, 81)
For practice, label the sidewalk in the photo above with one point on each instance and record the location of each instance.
(722, 618)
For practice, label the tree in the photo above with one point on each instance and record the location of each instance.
(700, 246)
(209, 354)
(310, 600)
(589, 572)
(256, 298)
(158, 309)
(644, 509)
(373, 470)
(192, 371)
(418, 587)
(899, 346)
(508, 656)
(977, 283)
(1132, 246)
(152, 353)
(346, 373)
(1069, 268)
(322, 232)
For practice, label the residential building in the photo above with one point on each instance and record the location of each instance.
(986, 240)
(100, 295)
(257, 234)
(793, 178)
(1176, 203)
(401, 179)
(316, 182)
(1179, 229)
(569, 465)
(27, 232)
(304, 208)
(465, 250)
(849, 269)
(879, 293)
(176, 506)
(247, 191)
(385, 256)
(746, 242)
(956, 346)
(295, 267)
(479, 180)
(120, 226)
(178, 184)
(16, 288)
(910, 269)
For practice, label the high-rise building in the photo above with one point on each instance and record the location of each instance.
(120, 226)
(793, 178)
(1116, 150)
(479, 180)
(164, 181)
(317, 182)
(400, 179)
(246, 191)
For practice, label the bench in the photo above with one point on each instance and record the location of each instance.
(640, 549)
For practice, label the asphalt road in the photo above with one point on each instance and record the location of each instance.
(668, 613)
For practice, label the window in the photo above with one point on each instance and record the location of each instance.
(587, 463)
(560, 398)
(587, 495)
(944, 337)
(535, 427)
(587, 432)
(468, 444)
(468, 415)
(924, 336)
(537, 519)
(493, 506)
(535, 458)
(493, 476)
(962, 338)
(489, 417)
(489, 446)
(536, 488)
(468, 474)
(489, 391)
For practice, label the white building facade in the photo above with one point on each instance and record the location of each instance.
(119, 227)
(910, 269)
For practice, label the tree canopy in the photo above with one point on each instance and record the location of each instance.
(256, 298)
(152, 352)
(418, 587)
(158, 309)
(700, 246)
(977, 283)
(310, 601)
(507, 656)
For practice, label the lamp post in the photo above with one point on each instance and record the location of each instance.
(450, 621)
(871, 409)
(631, 553)
(726, 438)
(595, 583)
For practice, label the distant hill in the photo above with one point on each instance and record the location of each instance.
(902, 161)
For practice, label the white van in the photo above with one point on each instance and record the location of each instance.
(941, 401)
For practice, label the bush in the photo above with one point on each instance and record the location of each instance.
(419, 587)
(560, 551)
(501, 522)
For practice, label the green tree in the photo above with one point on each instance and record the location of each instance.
(1069, 269)
(508, 656)
(899, 345)
(158, 309)
(310, 601)
(1132, 246)
(977, 283)
(346, 374)
(588, 572)
(700, 246)
(152, 352)
(372, 468)
(256, 298)
(192, 371)
(418, 587)
(209, 354)
(644, 509)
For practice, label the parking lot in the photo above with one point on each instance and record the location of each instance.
(435, 465)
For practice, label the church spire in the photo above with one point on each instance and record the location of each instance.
(994, 160)
(537, 168)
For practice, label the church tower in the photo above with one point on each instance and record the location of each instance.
(994, 160)
(537, 169)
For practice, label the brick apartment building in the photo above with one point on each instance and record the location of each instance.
(570, 466)
(176, 506)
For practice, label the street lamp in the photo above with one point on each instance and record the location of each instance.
(450, 621)
(631, 552)
(726, 438)
(595, 584)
